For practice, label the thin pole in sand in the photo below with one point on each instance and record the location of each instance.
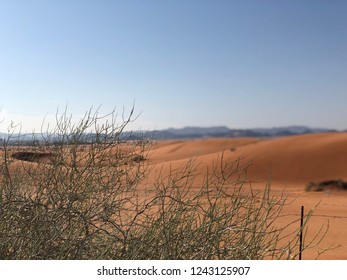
(301, 232)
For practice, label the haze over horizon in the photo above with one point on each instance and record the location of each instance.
(240, 64)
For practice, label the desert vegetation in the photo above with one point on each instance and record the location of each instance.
(327, 185)
(82, 191)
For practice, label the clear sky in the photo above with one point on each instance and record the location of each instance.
(238, 63)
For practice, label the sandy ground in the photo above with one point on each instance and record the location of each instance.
(289, 163)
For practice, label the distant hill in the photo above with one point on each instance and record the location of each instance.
(189, 132)
(223, 131)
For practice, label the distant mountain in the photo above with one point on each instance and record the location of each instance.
(291, 130)
(180, 133)
(222, 131)
(191, 132)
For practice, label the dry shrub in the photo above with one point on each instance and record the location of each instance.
(327, 185)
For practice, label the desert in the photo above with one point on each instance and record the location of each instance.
(287, 165)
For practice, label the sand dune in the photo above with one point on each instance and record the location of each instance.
(289, 163)
(301, 158)
(166, 151)
(297, 159)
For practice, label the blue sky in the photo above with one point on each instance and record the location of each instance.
(238, 63)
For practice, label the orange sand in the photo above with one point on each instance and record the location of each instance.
(290, 163)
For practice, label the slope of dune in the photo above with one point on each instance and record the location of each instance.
(300, 159)
(289, 163)
(167, 151)
(296, 159)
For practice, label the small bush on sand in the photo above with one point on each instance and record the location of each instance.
(326, 185)
(91, 200)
